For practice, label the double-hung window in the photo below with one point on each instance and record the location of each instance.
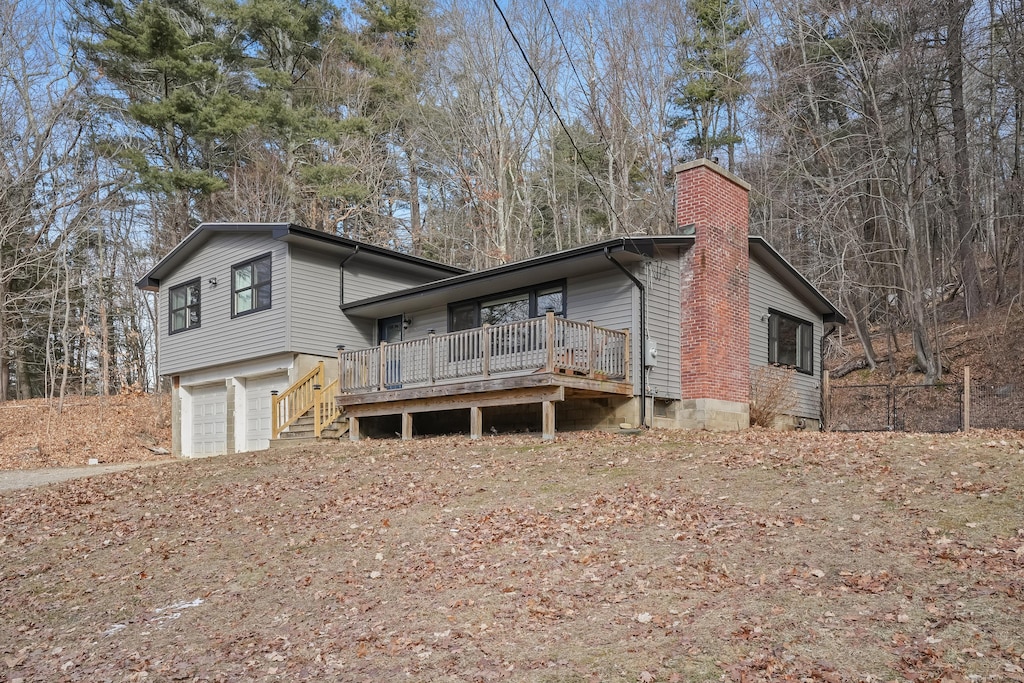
(250, 286)
(184, 307)
(790, 342)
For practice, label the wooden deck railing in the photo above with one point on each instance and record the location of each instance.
(296, 400)
(539, 344)
(325, 408)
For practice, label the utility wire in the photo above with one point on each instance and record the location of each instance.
(551, 104)
(601, 130)
(583, 88)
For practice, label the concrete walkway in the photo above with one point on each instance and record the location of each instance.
(11, 480)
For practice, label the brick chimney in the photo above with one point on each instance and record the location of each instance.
(712, 205)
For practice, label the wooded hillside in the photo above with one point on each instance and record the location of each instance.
(883, 141)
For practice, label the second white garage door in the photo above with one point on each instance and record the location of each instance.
(209, 419)
(257, 409)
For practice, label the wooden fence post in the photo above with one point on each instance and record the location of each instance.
(317, 399)
(591, 365)
(967, 398)
(382, 364)
(342, 380)
(275, 431)
(627, 361)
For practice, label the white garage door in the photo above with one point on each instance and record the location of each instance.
(209, 420)
(257, 409)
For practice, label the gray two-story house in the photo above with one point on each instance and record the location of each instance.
(659, 331)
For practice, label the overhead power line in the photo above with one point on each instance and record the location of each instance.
(572, 65)
(554, 110)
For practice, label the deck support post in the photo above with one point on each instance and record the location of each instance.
(591, 365)
(549, 340)
(486, 361)
(406, 426)
(548, 420)
(353, 428)
(476, 422)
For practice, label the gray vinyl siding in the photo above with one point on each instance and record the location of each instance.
(662, 283)
(435, 319)
(605, 297)
(317, 324)
(609, 299)
(221, 338)
(767, 292)
(365, 278)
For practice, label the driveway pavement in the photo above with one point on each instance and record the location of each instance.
(11, 480)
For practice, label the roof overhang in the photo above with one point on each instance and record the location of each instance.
(292, 234)
(579, 261)
(791, 277)
(583, 260)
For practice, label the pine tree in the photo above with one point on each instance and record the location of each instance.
(170, 69)
(711, 79)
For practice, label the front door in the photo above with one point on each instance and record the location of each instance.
(390, 330)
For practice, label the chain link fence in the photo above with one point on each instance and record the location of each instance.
(997, 406)
(923, 408)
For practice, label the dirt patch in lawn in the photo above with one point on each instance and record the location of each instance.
(674, 556)
(115, 429)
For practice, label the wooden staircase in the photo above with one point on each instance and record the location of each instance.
(302, 431)
(306, 412)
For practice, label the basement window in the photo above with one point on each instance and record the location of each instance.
(790, 342)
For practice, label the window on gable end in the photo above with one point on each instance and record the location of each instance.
(184, 309)
(250, 286)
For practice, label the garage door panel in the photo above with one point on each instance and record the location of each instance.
(209, 420)
(258, 403)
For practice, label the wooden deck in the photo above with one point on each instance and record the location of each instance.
(541, 360)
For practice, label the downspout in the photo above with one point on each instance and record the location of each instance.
(341, 278)
(643, 335)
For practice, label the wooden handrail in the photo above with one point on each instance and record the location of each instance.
(295, 401)
(325, 408)
(546, 344)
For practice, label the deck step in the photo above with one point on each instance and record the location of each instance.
(301, 432)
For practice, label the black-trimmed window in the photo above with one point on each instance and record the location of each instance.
(250, 286)
(507, 307)
(183, 308)
(790, 342)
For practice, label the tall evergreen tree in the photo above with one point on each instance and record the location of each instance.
(711, 79)
(171, 68)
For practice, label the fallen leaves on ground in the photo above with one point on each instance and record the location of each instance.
(37, 433)
(757, 556)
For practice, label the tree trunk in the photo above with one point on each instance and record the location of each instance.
(961, 185)
(854, 304)
(415, 221)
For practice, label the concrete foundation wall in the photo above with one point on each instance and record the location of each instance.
(712, 414)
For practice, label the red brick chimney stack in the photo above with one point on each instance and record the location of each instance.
(712, 205)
